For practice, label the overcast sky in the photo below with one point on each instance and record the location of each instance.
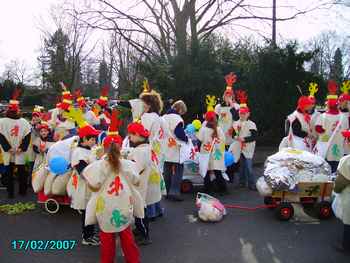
(20, 34)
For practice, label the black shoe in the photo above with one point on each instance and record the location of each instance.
(90, 242)
(144, 241)
(340, 249)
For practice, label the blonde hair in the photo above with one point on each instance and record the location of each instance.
(179, 106)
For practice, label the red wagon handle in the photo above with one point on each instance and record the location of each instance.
(246, 208)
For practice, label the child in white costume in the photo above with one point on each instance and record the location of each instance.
(228, 112)
(245, 132)
(81, 157)
(329, 127)
(150, 178)
(344, 100)
(174, 135)
(212, 140)
(41, 144)
(113, 179)
(15, 133)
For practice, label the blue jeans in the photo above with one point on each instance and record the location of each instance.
(246, 172)
(173, 173)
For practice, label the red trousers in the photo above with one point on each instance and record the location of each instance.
(127, 242)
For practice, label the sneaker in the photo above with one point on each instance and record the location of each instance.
(90, 242)
(96, 238)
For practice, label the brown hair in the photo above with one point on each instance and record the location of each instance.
(113, 157)
(214, 125)
(179, 106)
(154, 100)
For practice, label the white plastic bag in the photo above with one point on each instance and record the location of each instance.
(203, 159)
(263, 188)
(59, 185)
(186, 150)
(38, 178)
(236, 150)
(210, 208)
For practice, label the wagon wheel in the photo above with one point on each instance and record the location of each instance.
(52, 206)
(284, 211)
(324, 210)
(186, 186)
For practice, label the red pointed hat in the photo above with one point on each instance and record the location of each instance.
(243, 99)
(14, 103)
(113, 134)
(67, 98)
(230, 79)
(103, 99)
(305, 101)
(138, 129)
(80, 99)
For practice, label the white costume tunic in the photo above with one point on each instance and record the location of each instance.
(225, 120)
(217, 154)
(150, 184)
(346, 116)
(329, 123)
(171, 144)
(43, 146)
(242, 129)
(344, 169)
(61, 128)
(91, 118)
(136, 108)
(80, 193)
(305, 144)
(153, 123)
(14, 130)
(116, 200)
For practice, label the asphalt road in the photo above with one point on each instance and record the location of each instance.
(243, 236)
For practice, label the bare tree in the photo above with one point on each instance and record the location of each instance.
(174, 27)
(18, 71)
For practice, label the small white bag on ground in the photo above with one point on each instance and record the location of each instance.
(263, 188)
(48, 183)
(59, 185)
(38, 178)
(210, 208)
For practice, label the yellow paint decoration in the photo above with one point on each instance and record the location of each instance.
(100, 205)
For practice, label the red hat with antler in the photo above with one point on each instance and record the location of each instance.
(44, 122)
(103, 100)
(14, 103)
(243, 99)
(80, 99)
(332, 97)
(113, 134)
(66, 98)
(138, 129)
(345, 88)
(305, 101)
(230, 79)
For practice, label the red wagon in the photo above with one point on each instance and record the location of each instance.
(52, 202)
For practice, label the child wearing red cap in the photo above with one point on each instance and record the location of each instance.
(212, 140)
(228, 112)
(80, 158)
(15, 133)
(329, 127)
(298, 126)
(41, 144)
(150, 178)
(245, 133)
(344, 100)
(113, 181)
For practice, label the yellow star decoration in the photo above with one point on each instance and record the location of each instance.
(154, 177)
(345, 87)
(100, 205)
(313, 88)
